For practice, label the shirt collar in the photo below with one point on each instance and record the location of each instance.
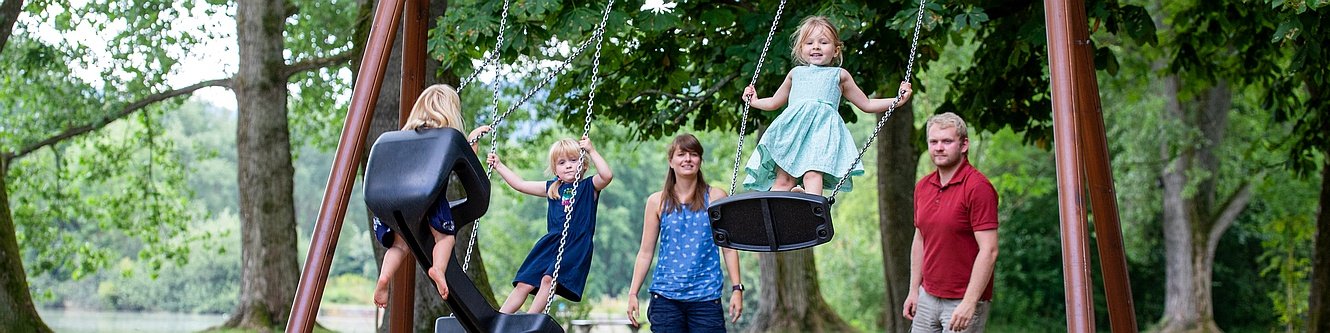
(962, 172)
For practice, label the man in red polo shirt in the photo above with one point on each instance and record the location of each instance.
(955, 239)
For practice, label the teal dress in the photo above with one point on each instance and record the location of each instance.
(808, 136)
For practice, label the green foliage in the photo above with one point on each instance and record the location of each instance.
(127, 186)
(37, 64)
(122, 181)
(208, 283)
(1299, 90)
(318, 103)
(1007, 84)
(349, 289)
(696, 68)
(1287, 229)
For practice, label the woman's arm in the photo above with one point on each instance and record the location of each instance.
(645, 253)
(515, 181)
(770, 103)
(604, 175)
(732, 269)
(856, 96)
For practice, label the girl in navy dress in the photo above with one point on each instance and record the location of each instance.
(538, 268)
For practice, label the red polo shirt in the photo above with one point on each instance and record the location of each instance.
(947, 215)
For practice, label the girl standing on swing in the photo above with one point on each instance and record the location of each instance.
(539, 267)
(809, 140)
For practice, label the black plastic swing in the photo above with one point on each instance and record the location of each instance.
(771, 221)
(407, 171)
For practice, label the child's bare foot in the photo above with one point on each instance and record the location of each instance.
(437, 275)
(797, 189)
(381, 295)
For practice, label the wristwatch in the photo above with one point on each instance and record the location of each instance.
(737, 287)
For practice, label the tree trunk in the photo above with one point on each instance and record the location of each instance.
(1319, 313)
(792, 300)
(897, 159)
(9, 12)
(1194, 220)
(270, 270)
(21, 315)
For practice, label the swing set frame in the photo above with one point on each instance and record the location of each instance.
(1083, 171)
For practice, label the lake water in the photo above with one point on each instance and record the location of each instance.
(341, 319)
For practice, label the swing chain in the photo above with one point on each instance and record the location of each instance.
(494, 124)
(743, 122)
(494, 54)
(909, 72)
(563, 66)
(599, 36)
(489, 170)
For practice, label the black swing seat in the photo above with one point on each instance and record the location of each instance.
(406, 173)
(771, 221)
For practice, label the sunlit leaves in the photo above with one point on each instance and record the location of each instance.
(98, 198)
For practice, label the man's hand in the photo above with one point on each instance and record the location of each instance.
(963, 316)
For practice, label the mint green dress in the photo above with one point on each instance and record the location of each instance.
(808, 136)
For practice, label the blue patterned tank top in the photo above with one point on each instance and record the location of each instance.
(688, 264)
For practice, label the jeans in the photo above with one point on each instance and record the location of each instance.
(667, 315)
(933, 314)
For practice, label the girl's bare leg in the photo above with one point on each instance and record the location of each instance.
(517, 298)
(813, 182)
(392, 259)
(443, 252)
(542, 296)
(784, 181)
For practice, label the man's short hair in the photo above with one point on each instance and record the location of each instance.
(948, 120)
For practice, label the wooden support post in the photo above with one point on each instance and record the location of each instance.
(345, 163)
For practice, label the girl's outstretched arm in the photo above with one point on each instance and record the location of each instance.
(603, 173)
(856, 96)
(770, 103)
(476, 133)
(521, 185)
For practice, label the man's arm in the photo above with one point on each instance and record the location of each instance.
(916, 274)
(979, 276)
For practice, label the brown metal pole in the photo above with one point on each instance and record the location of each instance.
(1098, 173)
(414, 34)
(1071, 211)
(415, 14)
(345, 163)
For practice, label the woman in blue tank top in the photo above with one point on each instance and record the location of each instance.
(687, 285)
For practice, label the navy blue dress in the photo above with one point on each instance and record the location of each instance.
(577, 249)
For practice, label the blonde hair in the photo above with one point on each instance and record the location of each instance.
(806, 28)
(437, 107)
(948, 120)
(566, 148)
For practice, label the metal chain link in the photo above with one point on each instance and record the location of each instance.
(489, 170)
(599, 36)
(494, 126)
(743, 122)
(909, 72)
(494, 54)
(563, 66)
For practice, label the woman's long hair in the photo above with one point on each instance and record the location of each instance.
(670, 202)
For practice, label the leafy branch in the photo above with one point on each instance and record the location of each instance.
(138, 105)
